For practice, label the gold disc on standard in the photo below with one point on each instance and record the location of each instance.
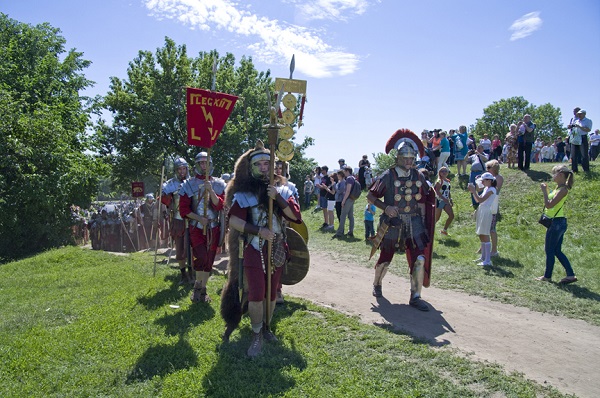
(285, 147)
(288, 116)
(286, 133)
(289, 101)
(284, 157)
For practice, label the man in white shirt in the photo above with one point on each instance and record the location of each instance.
(594, 144)
(579, 141)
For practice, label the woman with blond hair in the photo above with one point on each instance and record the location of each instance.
(554, 208)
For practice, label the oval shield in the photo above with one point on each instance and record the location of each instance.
(297, 268)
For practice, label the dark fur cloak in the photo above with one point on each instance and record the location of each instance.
(233, 306)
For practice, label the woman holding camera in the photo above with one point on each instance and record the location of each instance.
(554, 208)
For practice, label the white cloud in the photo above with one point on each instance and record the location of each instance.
(275, 41)
(525, 25)
(336, 10)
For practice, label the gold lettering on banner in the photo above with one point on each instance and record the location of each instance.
(194, 136)
(199, 99)
(213, 133)
(207, 116)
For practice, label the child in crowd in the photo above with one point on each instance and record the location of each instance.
(505, 152)
(486, 201)
(548, 153)
(368, 178)
(370, 210)
(444, 199)
(309, 188)
(496, 148)
(494, 167)
(425, 173)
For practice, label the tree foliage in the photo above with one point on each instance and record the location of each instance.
(498, 117)
(42, 139)
(383, 162)
(149, 112)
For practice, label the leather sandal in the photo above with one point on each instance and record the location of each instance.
(567, 280)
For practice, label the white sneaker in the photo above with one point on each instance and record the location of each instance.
(482, 264)
(494, 254)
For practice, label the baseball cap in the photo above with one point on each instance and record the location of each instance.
(488, 176)
(582, 111)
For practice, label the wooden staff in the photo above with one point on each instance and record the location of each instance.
(162, 180)
(206, 196)
(273, 132)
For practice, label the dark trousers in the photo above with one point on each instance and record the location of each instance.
(594, 151)
(579, 154)
(307, 196)
(524, 153)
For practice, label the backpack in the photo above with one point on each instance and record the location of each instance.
(356, 190)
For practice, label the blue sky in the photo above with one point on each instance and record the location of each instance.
(372, 66)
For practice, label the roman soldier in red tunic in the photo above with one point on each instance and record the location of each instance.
(407, 222)
(201, 201)
(170, 198)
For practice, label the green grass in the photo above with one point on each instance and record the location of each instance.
(82, 323)
(521, 246)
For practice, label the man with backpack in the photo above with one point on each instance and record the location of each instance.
(351, 193)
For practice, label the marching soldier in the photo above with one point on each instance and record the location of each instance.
(170, 198)
(201, 201)
(407, 221)
(248, 197)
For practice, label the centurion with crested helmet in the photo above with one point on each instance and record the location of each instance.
(201, 202)
(407, 222)
(170, 198)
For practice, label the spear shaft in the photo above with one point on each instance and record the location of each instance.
(273, 132)
(162, 180)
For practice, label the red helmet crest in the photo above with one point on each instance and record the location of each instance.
(405, 135)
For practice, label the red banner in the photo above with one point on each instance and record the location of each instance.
(137, 189)
(207, 113)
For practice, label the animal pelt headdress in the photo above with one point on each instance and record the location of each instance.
(232, 305)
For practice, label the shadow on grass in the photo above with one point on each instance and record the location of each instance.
(449, 242)
(579, 291)
(172, 294)
(437, 256)
(179, 322)
(539, 176)
(269, 374)
(422, 327)
(161, 360)
(463, 182)
(498, 271)
(506, 262)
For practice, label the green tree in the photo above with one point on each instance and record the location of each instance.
(383, 162)
(150, 115)
(42, 139)
(498, 117)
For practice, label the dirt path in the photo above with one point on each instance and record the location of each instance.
(564, 353)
